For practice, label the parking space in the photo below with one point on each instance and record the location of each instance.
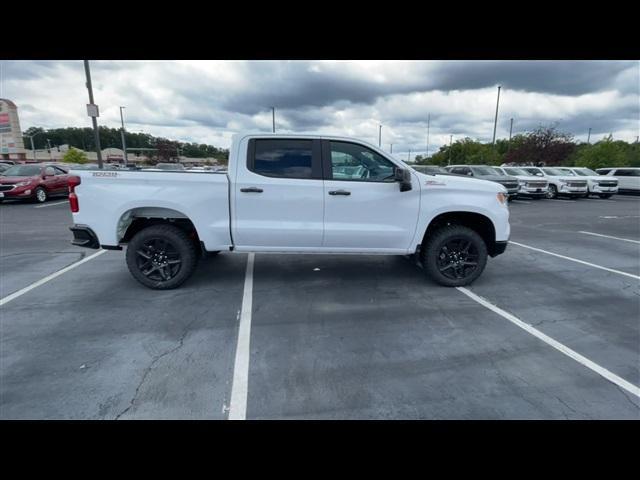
(364, 337)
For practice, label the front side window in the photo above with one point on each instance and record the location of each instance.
(353, 162)
(285, 158)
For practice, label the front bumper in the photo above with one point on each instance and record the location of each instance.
(18, 192)
(83, 236)
(498, 248)
(600, 189)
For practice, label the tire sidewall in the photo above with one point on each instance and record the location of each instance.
(432, 250)
(179, 240)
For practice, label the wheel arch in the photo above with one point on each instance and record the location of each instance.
(478, 222)
(138, 218)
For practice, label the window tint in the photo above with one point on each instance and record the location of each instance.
(353, 162)
(283, 158)
(603, 171)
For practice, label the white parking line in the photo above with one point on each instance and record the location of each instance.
(28, 288)
(577, 261)
(52, 204)
(610, 376)
(240, 386)
(609, 236)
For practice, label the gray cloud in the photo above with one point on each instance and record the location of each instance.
(207, 101)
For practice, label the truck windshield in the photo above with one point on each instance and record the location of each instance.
(483, 171)
(499, 172)
(556, 172)
(585, 172)
(517, 171)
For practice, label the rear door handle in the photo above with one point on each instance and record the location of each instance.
(339, 192)
(251, 190)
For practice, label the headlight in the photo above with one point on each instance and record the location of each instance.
(521, 182)
(24, 183)
(502, 198)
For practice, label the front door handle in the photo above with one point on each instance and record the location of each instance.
(251, 190)
(339, 192)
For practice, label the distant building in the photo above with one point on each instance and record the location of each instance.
(11, 143)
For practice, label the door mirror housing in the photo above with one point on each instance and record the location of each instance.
(403, 176)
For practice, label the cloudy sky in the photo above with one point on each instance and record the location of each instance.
(208, 101)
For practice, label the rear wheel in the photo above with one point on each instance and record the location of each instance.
(161, 257)
(454, 255)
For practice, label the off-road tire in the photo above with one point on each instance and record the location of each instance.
(181, 247)
(433, 249)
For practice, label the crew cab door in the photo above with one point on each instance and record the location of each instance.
(279, 195)
(364, 207)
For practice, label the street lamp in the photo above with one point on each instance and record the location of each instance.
(33, 149)
(379, 135)
(124, 144)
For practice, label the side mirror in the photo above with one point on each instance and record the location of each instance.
(404, 178)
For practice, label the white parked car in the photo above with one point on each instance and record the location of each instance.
(596, 184)
(561, 183)
(528, 185)
(291, 193)
(628, 178)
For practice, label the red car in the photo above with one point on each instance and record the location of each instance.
(35, 181)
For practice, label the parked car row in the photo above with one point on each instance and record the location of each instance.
(548, 182)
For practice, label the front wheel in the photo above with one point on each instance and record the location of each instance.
(40, 195)
(161, 257)
(454, 255)
(553, 192)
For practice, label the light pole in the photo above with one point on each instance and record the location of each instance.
(495, 123)
(379, 135)
(273, 118)
(589, 136)
(124, 143)
(33, 149)
(450, 140)
(428, 125)
(94, 119)
(510, 130)
(409, 156)
(391, 148)
(49, 145)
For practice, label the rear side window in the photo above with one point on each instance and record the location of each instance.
(625, 172)
(284, 158)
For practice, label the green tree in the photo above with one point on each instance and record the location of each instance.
(605, 153)
(75, 156)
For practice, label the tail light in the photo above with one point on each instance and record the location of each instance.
(73, 182)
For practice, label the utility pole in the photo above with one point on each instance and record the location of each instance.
(33, 149)
(409, 156)
(49, 145)
(495, 123)
(589, 136)
(93, 113)
(273, 118)
(391, 148)
(379, 135)
(428, 126)
(510, 131)
(450, 140)
(124, 143)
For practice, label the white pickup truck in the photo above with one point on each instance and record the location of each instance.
(291, 193)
